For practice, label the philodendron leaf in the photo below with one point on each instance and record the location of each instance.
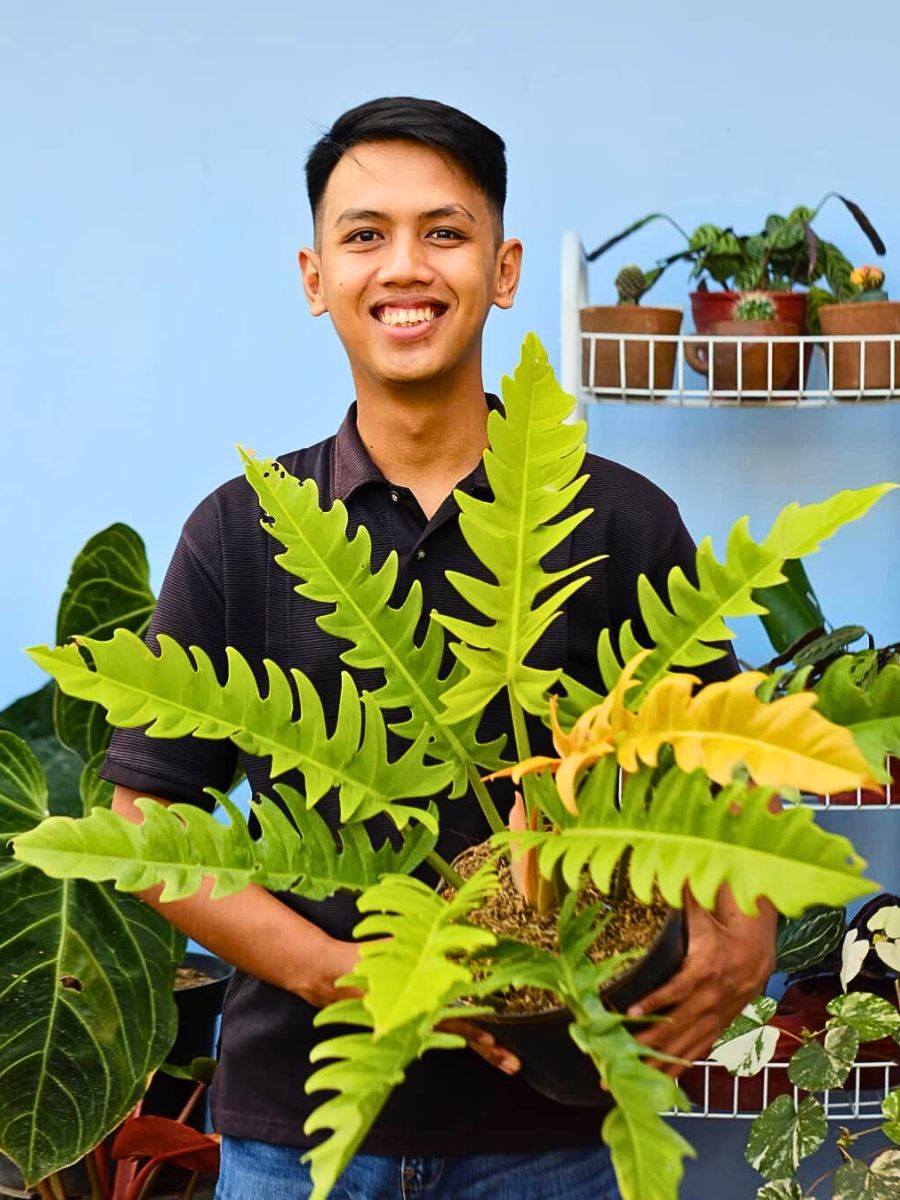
(412, 964)
(783, 1135)
(871, 1016)
(86, 1008)
(806, 940)
(749, 1042)
(335, 569)
(683, 629)
(816, 1066)
(363, 1074)
(179, 693)
(857, 1180)
(891, 1110)
(682, 833)
(178, 845)
(108, 589)
(532, 465)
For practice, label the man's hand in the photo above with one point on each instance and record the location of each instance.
(484, 1044)
(729, 959)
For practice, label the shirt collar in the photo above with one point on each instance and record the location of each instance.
(352, 466)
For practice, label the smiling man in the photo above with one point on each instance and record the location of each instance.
(409, 258)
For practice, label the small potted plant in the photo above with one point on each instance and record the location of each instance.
(647, 784)
(746, 365)
(863, 308)
(641, 365)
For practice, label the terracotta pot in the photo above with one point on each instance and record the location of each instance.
(630, 318)
(849, 372)
(709, 307)
(754, 356)
(551, 1062)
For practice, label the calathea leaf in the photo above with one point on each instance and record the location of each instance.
(683, 628)
(816, 1066)
(783, 1135)
(108, 589)
(177, 845)
(333, 569)
(364, 1072)
(86, 1009)
(178, 694)
(532, 465)
(806, 940)
(678, 833)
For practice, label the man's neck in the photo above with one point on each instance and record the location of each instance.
(426, 440)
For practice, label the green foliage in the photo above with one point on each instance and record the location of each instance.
(532, 466)
(179, 844)
(871, 1017)
(785, 1134)
(683, 630)
(868, 706)
(86, 1009)
(108, 589)
(31, 719)
(336, 570)
(806, 940)
(178, 694)
(890, 1109)
(678, 832)
(749, 1042)
(826, 1064)
(858, 1180)
(630, 284)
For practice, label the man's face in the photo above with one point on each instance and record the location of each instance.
(407, 263)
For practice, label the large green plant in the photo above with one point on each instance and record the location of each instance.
(675, 821)
(86, 973)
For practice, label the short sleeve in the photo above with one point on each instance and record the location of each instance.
(191, 610)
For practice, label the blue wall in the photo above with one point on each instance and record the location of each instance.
(150, 308)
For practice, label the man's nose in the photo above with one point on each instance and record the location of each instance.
(405, 261)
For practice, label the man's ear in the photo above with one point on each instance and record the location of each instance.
(311, 271)
(507, 272)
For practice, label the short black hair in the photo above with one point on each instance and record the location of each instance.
(478, 150)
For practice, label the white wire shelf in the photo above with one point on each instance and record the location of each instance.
(795, 371)
(717, 1094)
(862, 798)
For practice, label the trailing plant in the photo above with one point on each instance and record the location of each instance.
(687, 810)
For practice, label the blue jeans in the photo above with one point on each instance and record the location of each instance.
(259, 1171)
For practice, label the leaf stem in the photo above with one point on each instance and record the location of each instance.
(483, 796)
(446, 872)
(523, 747)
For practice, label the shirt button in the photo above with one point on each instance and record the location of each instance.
(420, 553)
(395, 497)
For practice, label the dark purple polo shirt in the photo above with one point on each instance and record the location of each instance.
(224, 588)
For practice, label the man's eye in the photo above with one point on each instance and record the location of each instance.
(446, 235)
(363, 235)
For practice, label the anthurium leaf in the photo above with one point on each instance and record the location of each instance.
(179, 844)
(178, 693)
(363, 1074)
(532, 465)
(857, 1180)
(871, 711)
(806, 940)
(749, 1042)
(680, 833)
(646, 1152)
(31, 718)
(335, 569)
(816, 1066)
(783, 1135)
(891, 1109)
(413, 964)
(86, 1009)
(108, 588)
(683, 628)
(871, 1016)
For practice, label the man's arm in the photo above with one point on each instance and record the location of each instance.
(258, 934)
(729, 959)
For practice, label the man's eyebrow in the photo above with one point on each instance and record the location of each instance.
(371, 214)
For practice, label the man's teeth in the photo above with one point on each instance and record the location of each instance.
(405, 316)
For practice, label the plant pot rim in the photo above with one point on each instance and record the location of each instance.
(794, 291)
(774, 327)
(647, 308)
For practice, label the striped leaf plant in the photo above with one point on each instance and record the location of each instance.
(697, 819)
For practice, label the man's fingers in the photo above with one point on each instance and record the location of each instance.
(682, 985)
(484, 1044)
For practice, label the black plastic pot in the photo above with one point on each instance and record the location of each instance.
(551, 1062)
(198, 1009)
